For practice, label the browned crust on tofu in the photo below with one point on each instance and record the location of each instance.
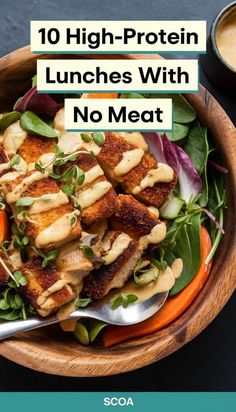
(3, 156)
(111, 154)
(3, 159)
(102, 208)
(4, 276)
(41, 187)
(8, 185)
(45, 219)
(112, 150)
(83, 161)
(34, 147)
(39, 280)
(132, 217)
(156, 195)
(99, 282)
(134, 177)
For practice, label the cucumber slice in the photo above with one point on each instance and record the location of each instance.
(171, 208)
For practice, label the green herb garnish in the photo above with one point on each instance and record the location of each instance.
(14, 161)
(82, 303)
(98, 138)
(85, 137)
(123, 300)
(47, 257)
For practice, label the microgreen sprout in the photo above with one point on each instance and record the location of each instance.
(123, 300)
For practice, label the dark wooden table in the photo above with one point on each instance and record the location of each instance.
(209, 362)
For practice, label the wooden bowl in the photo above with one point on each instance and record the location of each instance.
(52, 351)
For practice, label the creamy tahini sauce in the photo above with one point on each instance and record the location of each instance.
(45, 159)
(49, 202)
(135, 138)
(163, 283)
(154, 211)
(70, 142)
(54, 288)
(226, 39)
(57, 231)
(59, 120)
(91, 175)
(13, 137)
(130, 159)
(9, 176)
(4, 166)
(163, 173)
(117, 248)
(25, 183)
(20, 167)
(157, 234)
(95, 192)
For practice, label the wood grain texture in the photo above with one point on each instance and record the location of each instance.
(55, 352)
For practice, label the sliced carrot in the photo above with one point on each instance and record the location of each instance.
(173, 307)
(99, 96)
(3, 225)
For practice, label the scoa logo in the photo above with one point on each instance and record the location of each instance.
(118, 402)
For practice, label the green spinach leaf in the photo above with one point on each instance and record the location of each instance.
(33, 124)
(197, 147)
(187, 247)
(8, 118)
(179, 132)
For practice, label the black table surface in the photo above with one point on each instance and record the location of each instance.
(208, 363)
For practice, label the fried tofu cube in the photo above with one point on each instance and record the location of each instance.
(45, 290)
(114, 275)
(132, 217)
(112, 154)
(50, 230)
(103, 207)
(3, 161)
(34, 147)
(96, 195)
(4, 265)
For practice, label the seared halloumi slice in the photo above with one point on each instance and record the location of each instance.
(120, 260)
(136, 170)
(138, 221)
(46, 289)
(96, 196)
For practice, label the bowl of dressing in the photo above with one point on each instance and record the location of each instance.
(220, 61)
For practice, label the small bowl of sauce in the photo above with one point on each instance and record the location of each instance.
(220, 61)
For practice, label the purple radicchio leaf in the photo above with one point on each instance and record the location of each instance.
(41, 104)
(162, 149)
(189, 180)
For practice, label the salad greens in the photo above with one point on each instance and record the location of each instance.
(7, 119)
(87, 330)
(198, 198)
(31, 123)
(123, 300)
